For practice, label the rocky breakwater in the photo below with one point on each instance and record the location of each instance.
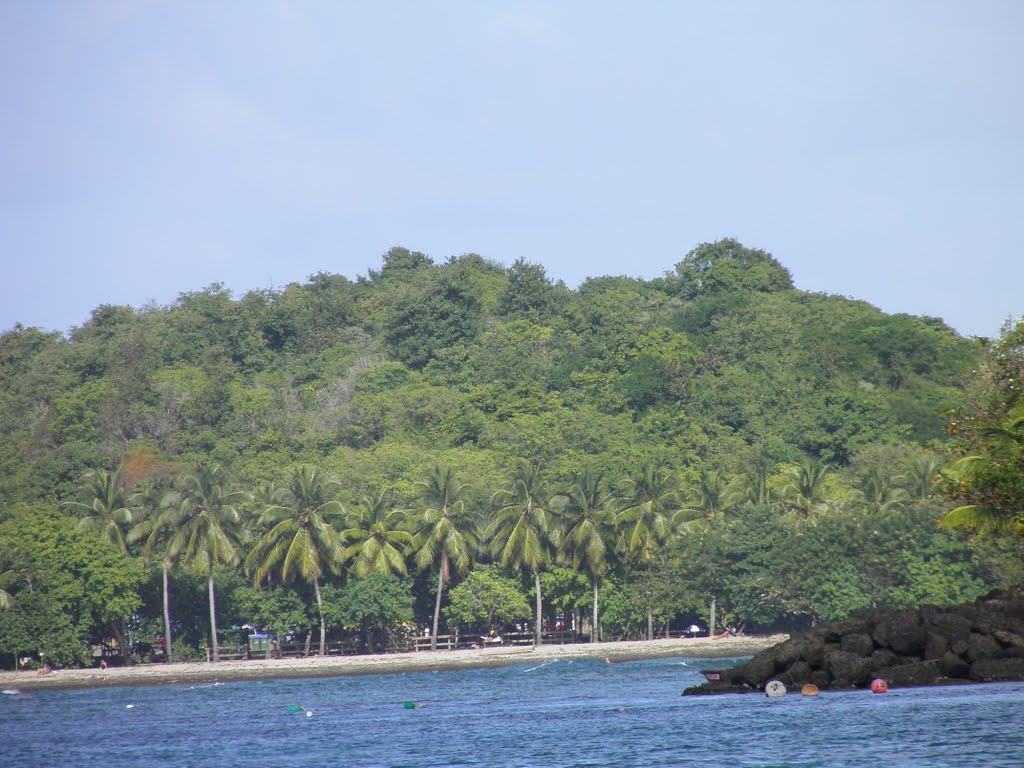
(977, 642)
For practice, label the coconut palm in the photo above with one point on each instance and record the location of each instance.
(206, 525)
(805, 486)
(107, 511)
(647, 520)
(589, 520)
(712, 495)
(299, 538)
(445, 531)
(152, 528)
(922, 477)
(375, 537)
(524, 533)
(750, 488)
(878, 492)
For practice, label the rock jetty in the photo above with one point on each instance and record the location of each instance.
(977, 642)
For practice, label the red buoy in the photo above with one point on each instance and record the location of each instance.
(878, 685)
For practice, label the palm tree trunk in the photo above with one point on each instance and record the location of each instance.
(167, 617)
(650, 625)
(437, 608)
(537, 624)
(593, 624)
(213, 619)
(323, 624)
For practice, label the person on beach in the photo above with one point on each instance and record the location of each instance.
(44, 670)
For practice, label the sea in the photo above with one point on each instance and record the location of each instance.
(563, 713)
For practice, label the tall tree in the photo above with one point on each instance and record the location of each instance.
(646, 521)
(206, 523)
(375, 538)
(524, 533)
(107, 510)
(299, 538)
(589, 519)
(152, 527)
(445, 531)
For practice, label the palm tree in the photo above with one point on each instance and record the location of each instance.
(590, 521)
(713, 495)
(152, 526)
(444, 531)
(749, 488)
(922, 476)
(523, 533)
(646, 522)
(299, 538)
(378, 538)
(107, 512)
(206, 524)
(805, 486)
(878, 492)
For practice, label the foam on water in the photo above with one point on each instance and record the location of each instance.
(576, 713)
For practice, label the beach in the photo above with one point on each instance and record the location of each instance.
(379, 664)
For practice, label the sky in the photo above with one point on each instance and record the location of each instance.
(149, 149)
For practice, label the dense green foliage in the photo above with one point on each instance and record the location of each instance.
(712, 433)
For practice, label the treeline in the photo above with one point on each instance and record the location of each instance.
(793, 437)
(188, 550)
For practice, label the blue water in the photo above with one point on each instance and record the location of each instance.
(564, 713)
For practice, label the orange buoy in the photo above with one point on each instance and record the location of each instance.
(878, 685)
(809, 690)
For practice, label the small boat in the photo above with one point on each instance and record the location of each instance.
(713, 676)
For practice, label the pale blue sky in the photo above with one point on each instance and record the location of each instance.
(151, 148)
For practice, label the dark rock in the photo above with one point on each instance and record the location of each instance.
(980, 647)
(992, 670)
(983, 641)
(812, 650)
(848, 667)
(857, 643)
(950, 625)
(821, 678)
(797, 674)
(908, 641)
(883, 657)
(953, 666)
(755, 673)
(915, 674)
(833, 633)
(902, 632)
(1008, 638)
(1000, 616)
(935, 645)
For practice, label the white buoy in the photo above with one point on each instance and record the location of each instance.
(129, 706)
(309, 714)
(774, 689)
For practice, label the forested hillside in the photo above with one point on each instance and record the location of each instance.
(726, 435)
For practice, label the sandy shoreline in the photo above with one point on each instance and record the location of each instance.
(424, 661)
